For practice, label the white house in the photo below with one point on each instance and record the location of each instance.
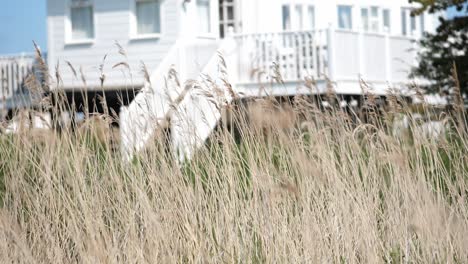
(82, 32)
(342, 40)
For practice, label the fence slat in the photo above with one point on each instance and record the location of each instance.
(13, 73)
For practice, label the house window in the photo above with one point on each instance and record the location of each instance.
(374, 19)
(365, 19)
(422, 24)
(404, 23)
(410, 25)
(386, 20)
(148, 17)
(311, 17)
(298, 17)
(286, 17)
(370, 19)
(413, 24)
(227, 16)
(345, 17)
(81, 17)
(204, 16)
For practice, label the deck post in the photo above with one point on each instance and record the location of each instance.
(231, 55)
(331, 52)
(361, 53)
(388, 63)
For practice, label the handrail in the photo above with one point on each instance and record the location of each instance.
(285, 32)
(23, 54)
(235, 35)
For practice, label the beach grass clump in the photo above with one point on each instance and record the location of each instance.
(281, 183)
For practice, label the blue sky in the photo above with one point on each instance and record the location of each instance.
(453, 12)
(21, 22)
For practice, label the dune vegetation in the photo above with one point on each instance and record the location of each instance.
(281, 180)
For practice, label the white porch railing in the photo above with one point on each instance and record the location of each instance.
(13, 72)
(341, 55)
(294, 55)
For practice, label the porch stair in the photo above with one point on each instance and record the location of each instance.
(191, 109)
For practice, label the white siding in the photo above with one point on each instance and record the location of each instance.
(265, 15)
(112, 23)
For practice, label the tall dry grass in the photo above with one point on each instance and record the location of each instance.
(279, 182)
(308, 186)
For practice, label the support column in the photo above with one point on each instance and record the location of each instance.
(361, 54)
(331, 52)
(388, 59)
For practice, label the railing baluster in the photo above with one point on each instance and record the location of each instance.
(10, 79)
(314, 58)
(276, 52)
(245, 65)
(5, 80)
(300, 55)
(321, 51)
(284, 52)
(261, 44)
(292, 56)
(305, 55)
(308, 52)
(268, 46)
(1, 81)
(272, 51)
(17, 86)
(22, 77)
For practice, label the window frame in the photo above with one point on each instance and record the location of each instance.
(372, 19)
(365, 26)
(69, 40)
(386, 29)
(214, 21)
(375, 19)
(304, 21)
(352, 11)
(134, 35)
(407, 30)
(224, 23)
